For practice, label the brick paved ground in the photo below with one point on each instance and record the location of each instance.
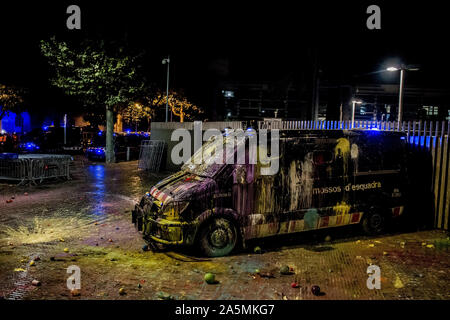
(90, 216)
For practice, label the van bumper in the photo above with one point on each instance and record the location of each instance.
(167, 232)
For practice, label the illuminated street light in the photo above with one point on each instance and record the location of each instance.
(164, 61)
(354, 103)
(400, 93)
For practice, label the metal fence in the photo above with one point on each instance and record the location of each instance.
(431, 136)
(35, 168)
(151, 154)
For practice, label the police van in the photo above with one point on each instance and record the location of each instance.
(325, 179)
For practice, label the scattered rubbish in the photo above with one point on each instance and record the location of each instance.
(315, 290)
(139, 286)
(10, 243)
(398, 284)
(358, 241)
(402, 244)
(371, 245)
(257, 250)
(122, 291)
(61, 240)
(419, 275)
(330, 271)
(424, 244)
(385, 253)
(285, 270)
(25, 193)
(110, 240)
(377, 241)
(117, 228)
(327, 238)
(210, 278)
(32, 263)
(266, 275)
(13, 197)
(66, 250)
(145, 247)
(165, 296)
(431, 246)
(9, 201)
(52, 258)
(75, 293)
(37, 258)
(36, 283)
(19, 270)
(23, 260)
(294, 285)
(257, 271)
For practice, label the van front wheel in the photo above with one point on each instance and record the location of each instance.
(374, 222)
(218, 237)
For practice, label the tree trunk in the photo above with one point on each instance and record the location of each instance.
(109, 152)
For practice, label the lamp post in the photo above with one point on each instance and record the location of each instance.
(402, 70)
(167, 61)
(354, 103)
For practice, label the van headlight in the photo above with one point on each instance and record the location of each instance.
(172, 210)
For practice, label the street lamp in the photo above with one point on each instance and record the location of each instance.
(164, 61)
(400, 92)
(354, 103)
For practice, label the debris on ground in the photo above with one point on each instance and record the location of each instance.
(36, 283)
(32, 263)
(294, 285)
(327, 238)
(19, 270)
(285, 270)
(66, 250)
(145, 247)
(398, 284)
(266, 275)
(122, 291)
(165, 296)
(315, 290)
(257, 250)
(210, 278)
(75, 293)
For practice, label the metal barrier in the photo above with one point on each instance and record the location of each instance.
(151, 155)
(14, 169)
(35, 168)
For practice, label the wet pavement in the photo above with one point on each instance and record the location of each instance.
(86, 222)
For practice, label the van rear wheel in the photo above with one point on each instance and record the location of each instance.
(374, 222)
(218, 238)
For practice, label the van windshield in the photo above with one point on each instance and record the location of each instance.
(208, 160)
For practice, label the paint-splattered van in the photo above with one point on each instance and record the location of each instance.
(325, 179)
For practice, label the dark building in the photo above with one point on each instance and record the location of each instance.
(259, 100)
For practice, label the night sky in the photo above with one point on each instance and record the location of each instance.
(226, 40)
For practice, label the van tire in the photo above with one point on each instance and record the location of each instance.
(218, 237)
(374, 222)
